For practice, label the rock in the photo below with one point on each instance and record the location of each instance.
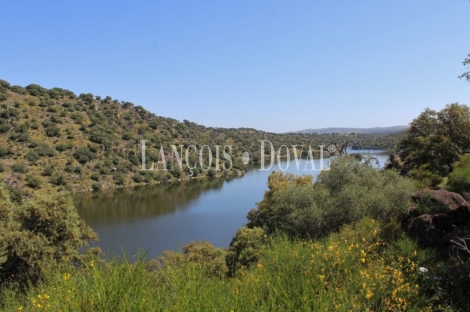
(424, 231)
(448, 199)
(436, 229)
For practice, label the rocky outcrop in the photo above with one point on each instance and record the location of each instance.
(437, 229)
(448, 199)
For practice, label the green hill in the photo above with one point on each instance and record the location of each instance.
(56, 139)
(375, 130)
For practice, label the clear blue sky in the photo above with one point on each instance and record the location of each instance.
(272, 65)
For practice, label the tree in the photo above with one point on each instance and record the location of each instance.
(466, 75)
(38, 233)
(437, 138)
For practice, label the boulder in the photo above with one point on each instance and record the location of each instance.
(435, 229)
(448, 199)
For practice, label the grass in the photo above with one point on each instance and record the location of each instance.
(350, 270)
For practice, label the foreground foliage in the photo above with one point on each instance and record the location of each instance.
(351, 270)
(45, 230)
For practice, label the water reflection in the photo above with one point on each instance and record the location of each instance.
(164, 217)
(128, 204)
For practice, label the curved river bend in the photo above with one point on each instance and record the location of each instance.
(166, 217)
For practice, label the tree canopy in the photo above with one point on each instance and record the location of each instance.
(437, 138)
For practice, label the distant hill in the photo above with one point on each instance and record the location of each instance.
(55, 139)
(375, 130)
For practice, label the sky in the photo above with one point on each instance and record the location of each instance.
(272, 65)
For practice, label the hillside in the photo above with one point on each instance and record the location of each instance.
(56, 139)
(375, 130)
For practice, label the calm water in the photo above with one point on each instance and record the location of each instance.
(164, 217)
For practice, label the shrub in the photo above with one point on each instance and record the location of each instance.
(4, 84)
(61, 147)
(19, 167)
(83, 155)
(105, 170)
(459, 178)
(44, 149)
(33, 181)
(119, 179)
(245, 248)
(138, 178)
(41, 231)
(48, 171)
(348, 192)
(425, 177)
(52, 131)
(78, 170)
(5, 151)
(96, 186)
(57, 179)
(16, 194)
(203, 255)
(20, 137)
(4, 128)
(3, 96)
(211, 173)
(95, 176)
(36, 90)
(32, 156)
(18, 89)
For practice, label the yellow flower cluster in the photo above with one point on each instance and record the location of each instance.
(41, 303)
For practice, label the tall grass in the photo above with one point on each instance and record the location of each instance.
(350, 270)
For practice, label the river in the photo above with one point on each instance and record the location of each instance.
(166, 217)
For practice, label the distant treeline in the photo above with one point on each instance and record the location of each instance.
(54, 138)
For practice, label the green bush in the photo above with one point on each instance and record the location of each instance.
(44, 149)
(3, 96)
(83, 155)
(57, 179)
(48, 171)
(5, 151)
(33, 181)
(459, 178)
(245, 248)
(425, 177)
(203, 255)
(36, 90)
(4, 127)
(52, 131)
(119, 179)
(19, 89)
(32, 156)
(349, 191)
(19, 167)
(96, 186)
(41, 231)
(95, 176)
(61, 147)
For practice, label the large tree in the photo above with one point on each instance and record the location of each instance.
(437, 138)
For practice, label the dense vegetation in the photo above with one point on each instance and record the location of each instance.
(55, 139)
(433, 152)
(359, 259)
